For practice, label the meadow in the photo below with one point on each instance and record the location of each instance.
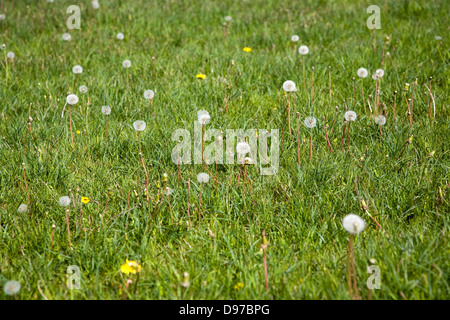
(135, 226)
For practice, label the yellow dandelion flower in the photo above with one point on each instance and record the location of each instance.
(248, 49)
(85, 200)
(130, 267)
(239, 286)
(201, 76)
(78, 131)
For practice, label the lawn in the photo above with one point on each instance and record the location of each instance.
(129, 201)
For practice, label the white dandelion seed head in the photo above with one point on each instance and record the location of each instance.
(50, 1)
(248, 160)
(72, 99)
(11, 287)
(242, 148)
(303, 50)
(362, 72)
(353, 224)
(2, 17)
(139, 125)
(10, 55)
(22, 208)
(289, 86)
(149, 94)
(228, 18)
(168, 191)
(64, 201)
(77, 69)
(310, 122)
(350, 116)
(106, 110)
(126, 63)
(380, 120)
(379, 73)
(295, 38)
(66, 36)
(437, 37)
(203, 117)
(95, 4)
(203, 177)
(120, 36)
(83, 89)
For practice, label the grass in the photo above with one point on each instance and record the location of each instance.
(301, 208)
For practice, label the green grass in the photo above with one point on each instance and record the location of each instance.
(301, 209)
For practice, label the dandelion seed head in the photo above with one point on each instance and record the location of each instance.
(139, 125)
(380, 120)
(353, 224)
(126, 63)
(10, 55)
(203, 117)
(350, 116)
(95, 4)
(228, 18)
(83, 89)
(168, 191)
(72, 99)
(379, 73)
(106, 110)
(362, 72)
(64, 201)
(149, 94)
(303, 50)
(22, 208)
(289, 86)
(242, 148)
(77, 69)
(295, 38)
(2, 17)
(248, 160)
(310, 122)
(11, 287)
(203, 177)
(66, 36)
(437, 37)
(120, 36)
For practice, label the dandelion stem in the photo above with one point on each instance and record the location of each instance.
(70, 124)
(310, 145)
(303, 64)
(200, 204)
(362, 93)
(288, 109)
(349, 272)
(68, 228)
